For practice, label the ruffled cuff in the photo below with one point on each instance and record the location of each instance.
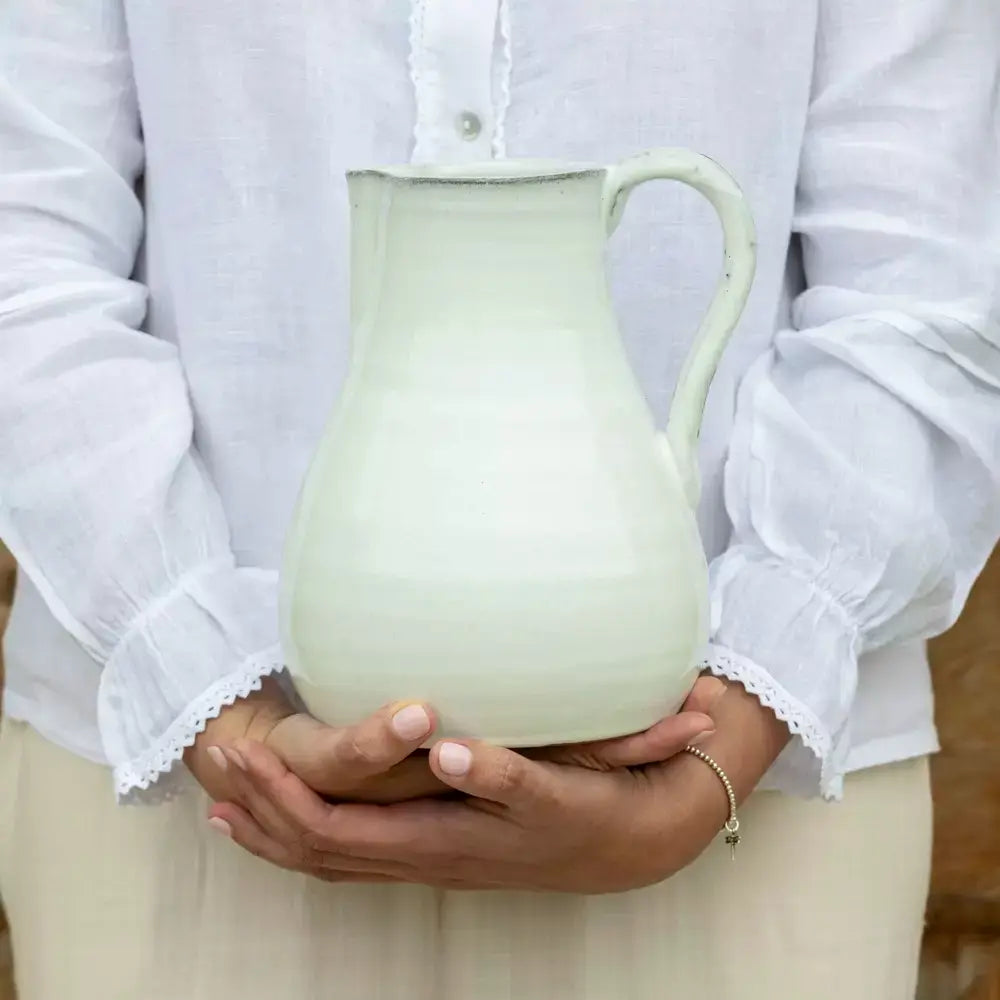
(765, 612)
(209, 641)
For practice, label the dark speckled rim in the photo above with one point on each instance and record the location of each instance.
(489, 173)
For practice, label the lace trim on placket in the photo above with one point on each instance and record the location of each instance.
(502, 100)
(425, 81)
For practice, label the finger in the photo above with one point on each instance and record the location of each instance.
(342, 758)
(663, 740)
(658, 743)
(355, 831)
(383, 740)
(272, 781)
(264, 811)
(495, 774)
(704, 695)
(240, 826)
(410, 779)
(332, 876)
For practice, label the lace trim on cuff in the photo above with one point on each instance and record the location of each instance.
(153, 777)
(799, 718)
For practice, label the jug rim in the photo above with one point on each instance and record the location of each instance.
(512, 171)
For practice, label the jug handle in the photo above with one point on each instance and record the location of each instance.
(739, 262)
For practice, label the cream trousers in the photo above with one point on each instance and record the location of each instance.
(825, 902)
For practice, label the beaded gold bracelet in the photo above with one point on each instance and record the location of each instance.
(732, 825)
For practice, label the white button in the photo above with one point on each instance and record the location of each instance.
(469, 125)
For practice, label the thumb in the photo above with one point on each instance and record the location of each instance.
(652, 746)
(660, 742)
(494, 774)
(335, 760)
(301, 740)
(705, 694)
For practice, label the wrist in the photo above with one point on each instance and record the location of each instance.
(252, 717)
(747, 740)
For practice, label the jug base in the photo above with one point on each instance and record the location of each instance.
(336, 706)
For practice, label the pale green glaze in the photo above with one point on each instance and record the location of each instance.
(492, 523)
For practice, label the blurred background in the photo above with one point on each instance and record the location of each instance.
(961, 959)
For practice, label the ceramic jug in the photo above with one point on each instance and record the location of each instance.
(492, 523)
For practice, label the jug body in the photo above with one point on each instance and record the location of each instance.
(492, 523)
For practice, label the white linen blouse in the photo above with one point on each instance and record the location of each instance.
(173, 323)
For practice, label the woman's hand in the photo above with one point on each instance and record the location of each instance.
(526, 824)
(377, 760)
(692, 724)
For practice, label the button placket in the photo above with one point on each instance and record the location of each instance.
(453, 43)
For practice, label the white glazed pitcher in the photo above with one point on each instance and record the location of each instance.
(492, 524)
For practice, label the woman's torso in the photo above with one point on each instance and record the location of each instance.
(250, 118)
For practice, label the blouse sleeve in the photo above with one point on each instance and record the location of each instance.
(863, 478)
(103, 499)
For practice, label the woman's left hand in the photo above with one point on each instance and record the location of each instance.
(523, 824)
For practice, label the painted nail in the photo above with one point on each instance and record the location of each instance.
(218, 758)
(234, 758)
(701, 737)
(221, 826)
(411, 723)
(454, 759)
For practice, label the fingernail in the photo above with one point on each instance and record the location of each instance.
(221, 826)
(218, 758)
(454, 759)
(235, 758)
(702, 736)
(411, 723)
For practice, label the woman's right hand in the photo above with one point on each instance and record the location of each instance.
(377, 760)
